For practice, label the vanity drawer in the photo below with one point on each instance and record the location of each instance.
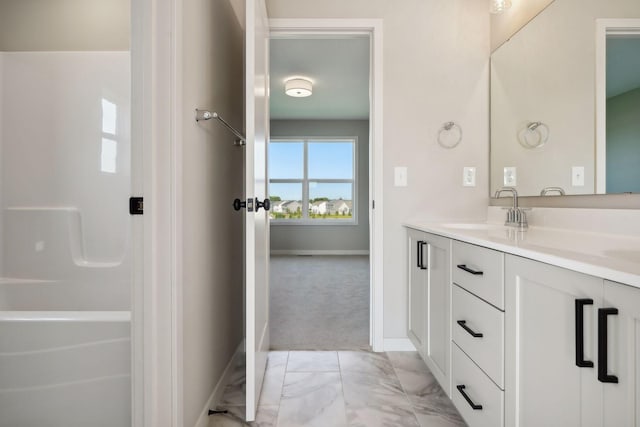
(473, 317)
(470, 381)
(480, 271)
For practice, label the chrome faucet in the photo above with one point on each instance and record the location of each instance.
(516, 217)
(547, 190)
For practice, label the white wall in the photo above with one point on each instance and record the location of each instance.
(507, 23)
(211, 46)
(324, 237)
(435, 70)
(55, 25)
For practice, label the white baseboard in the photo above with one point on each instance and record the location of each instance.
(319, 252)
(398, 344)
(218, 390)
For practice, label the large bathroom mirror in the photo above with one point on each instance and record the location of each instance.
(543, 101)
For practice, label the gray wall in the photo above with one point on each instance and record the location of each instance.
(436, 62)
(211, 54)
(623, 142)
(64, 25)
(321, 237)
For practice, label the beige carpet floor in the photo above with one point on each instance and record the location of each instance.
(319, 302)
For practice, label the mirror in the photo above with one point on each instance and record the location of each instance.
(543, 102)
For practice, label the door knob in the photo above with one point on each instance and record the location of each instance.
(239, 204)
(266, 204)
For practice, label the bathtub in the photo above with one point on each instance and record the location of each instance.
(65, 368)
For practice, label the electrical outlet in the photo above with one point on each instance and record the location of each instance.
(469, 176)
(400, 176)
(577, 176)
(510, 176)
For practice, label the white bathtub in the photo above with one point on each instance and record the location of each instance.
(65, 368)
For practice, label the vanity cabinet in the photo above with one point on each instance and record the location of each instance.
(572, 348)
(477, 367)
(429, 300)
(622, 399)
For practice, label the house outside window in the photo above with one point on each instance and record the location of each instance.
(313, 181)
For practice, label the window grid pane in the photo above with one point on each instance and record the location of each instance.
(325, 192)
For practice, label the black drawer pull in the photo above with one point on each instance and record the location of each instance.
(602, 345)
(463, 324)
(580, 362)
(468, 270)
(467, 398)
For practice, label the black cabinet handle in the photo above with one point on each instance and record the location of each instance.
(468, 270)
(420, 263)
(467, 398)
(419, 252)
(463, 324)
(580, 362)
(602, 345)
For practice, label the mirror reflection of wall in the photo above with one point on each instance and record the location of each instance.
(546, 73)
(623, 114)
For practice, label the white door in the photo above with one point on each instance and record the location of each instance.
(417, 283)
(622, 398)
(438, 320)
(257, 225)
(543, 384)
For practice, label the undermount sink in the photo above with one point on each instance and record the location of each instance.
(469, 225)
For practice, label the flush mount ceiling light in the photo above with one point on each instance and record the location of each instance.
(298, 88)
(499, 6)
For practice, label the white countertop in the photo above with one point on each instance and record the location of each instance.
(613, 257)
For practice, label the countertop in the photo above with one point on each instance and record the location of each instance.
(613, 257)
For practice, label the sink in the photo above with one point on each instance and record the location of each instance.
(469, 225)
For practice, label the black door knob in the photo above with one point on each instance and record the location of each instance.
(266, 204)
(239, 204)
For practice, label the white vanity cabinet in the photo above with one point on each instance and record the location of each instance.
(429, 300)
(572, 348)
(477, 326)
(622, 399)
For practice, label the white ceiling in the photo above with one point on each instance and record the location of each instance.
(338, 68)
(623, 65)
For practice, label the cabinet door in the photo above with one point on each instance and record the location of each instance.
(417, 284)
(438, 327)
(543, 384)
(622, 399)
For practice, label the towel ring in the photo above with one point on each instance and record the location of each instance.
(533, 135)
(449, 135)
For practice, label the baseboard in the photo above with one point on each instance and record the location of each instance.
(319, 252)
(398, 344)
(218, 390)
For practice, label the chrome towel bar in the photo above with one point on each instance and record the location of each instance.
(208, 115)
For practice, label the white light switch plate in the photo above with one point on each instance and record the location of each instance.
(577, 176)
(400, 176)
(510, 176)
(469, 176)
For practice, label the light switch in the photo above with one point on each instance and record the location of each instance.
(510, 176)
(469, 176)
(400, 176)
(577, 176)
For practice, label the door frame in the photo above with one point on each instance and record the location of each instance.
(373, 28)
(156, 309)
(604, 27)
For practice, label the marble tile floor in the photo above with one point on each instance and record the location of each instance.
(341, 389)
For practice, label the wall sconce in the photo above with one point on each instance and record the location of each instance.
(499, 6)
(298, 88)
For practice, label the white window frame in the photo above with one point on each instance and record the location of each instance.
(305, 180)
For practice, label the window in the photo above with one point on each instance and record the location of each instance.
(312, 181)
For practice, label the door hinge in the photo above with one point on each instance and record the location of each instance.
(373, 204)
(136, 205)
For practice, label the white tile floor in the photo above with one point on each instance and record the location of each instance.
(342, 389)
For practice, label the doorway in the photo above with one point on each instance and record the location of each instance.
(320, 176)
